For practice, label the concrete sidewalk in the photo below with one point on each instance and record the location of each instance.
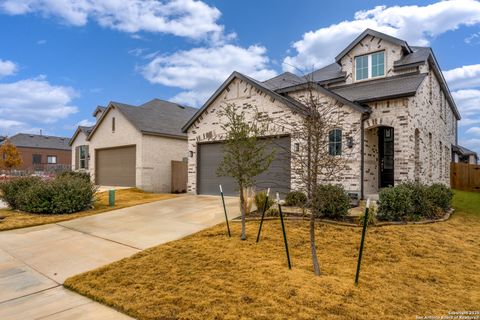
(34, 262)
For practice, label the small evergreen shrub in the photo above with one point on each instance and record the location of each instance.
(330, 201)
(296, 199)
(75, 174)
(10, 190)
(441, 196)
(412, 201)
(64, 194)
(260, 201)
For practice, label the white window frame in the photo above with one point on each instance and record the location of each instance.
(52, 157)
(84, 158)
(369, 55)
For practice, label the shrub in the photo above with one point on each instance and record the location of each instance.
(441, 196)
(260, 201)
(64, 194)
(75, 174)
(414, 201)
(330, 201)
(10, 190)
(296, 199)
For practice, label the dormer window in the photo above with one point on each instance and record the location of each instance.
(370, 66)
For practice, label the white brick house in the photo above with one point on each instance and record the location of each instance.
(132, 145)
(393, 94)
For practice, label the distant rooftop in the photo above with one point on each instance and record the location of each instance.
(27, 140)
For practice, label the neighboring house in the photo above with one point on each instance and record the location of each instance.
(43, 153)
(398, 120)
(133, 145)
(462, 154)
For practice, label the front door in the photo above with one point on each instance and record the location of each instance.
(386, 156)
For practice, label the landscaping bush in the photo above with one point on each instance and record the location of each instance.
(64, 194)
(75, 174)
(296, 199)
(260, 201)
(330, 201)
(10, 190)
(441, 196)
(413, 201)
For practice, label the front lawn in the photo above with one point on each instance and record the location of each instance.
(10, 219)
(409, 270)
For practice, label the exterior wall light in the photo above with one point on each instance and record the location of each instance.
(350, 142)
(296, 147)
(190, 153)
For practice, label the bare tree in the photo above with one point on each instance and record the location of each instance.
(315, 160)
(245, 156)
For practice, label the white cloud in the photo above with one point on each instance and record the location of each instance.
(468, 102)
(7, 68)
(474, 38)
(201, 70)
(85, 123)
(464, 77)
(472, 144)
(474, 130)
(41, 42)
(185, 18)
(415, 24)
(35, 101)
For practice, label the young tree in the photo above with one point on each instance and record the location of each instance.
(10, 157)
(245, 156)
(315, 161)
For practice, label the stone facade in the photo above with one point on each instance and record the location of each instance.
(424, 125)
(153, 153)
(240, 93)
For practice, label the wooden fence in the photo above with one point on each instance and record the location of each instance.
(179, 176)
(464, 176)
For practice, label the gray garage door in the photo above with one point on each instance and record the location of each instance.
(115, 167)
(277, 177)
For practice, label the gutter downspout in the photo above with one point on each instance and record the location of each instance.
(364, 116)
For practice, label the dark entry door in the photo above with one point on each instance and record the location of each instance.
(386, 156)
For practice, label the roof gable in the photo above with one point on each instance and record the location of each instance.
(370, 32)
(80, 129)
(295, 105)
(155, 117)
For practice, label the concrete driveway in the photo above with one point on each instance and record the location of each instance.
(34, 262)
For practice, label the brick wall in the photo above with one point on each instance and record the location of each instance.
(64, 157)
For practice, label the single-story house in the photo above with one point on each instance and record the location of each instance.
(41, 152)
(392, 94)
(464, 155)
(133, 145)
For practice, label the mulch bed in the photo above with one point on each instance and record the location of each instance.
(293, 213)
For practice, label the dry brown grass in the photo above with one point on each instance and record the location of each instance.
(123, 198)
(407, 271)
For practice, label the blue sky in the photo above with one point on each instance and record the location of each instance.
(59, 59)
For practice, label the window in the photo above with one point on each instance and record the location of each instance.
(335, 142)
(52, 159)
(370, 65)
(83, 157)
(37, 159)
(113, 124)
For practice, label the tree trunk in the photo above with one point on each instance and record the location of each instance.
(242, 211)
(316, 266)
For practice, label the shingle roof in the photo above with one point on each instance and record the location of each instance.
(157, 116)
(463, 151)
(330, 72)
(419, 55)
(86, 130)
(392, 87)
(27, 140)
(283, 80)
(376, 34)
(98, 109)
